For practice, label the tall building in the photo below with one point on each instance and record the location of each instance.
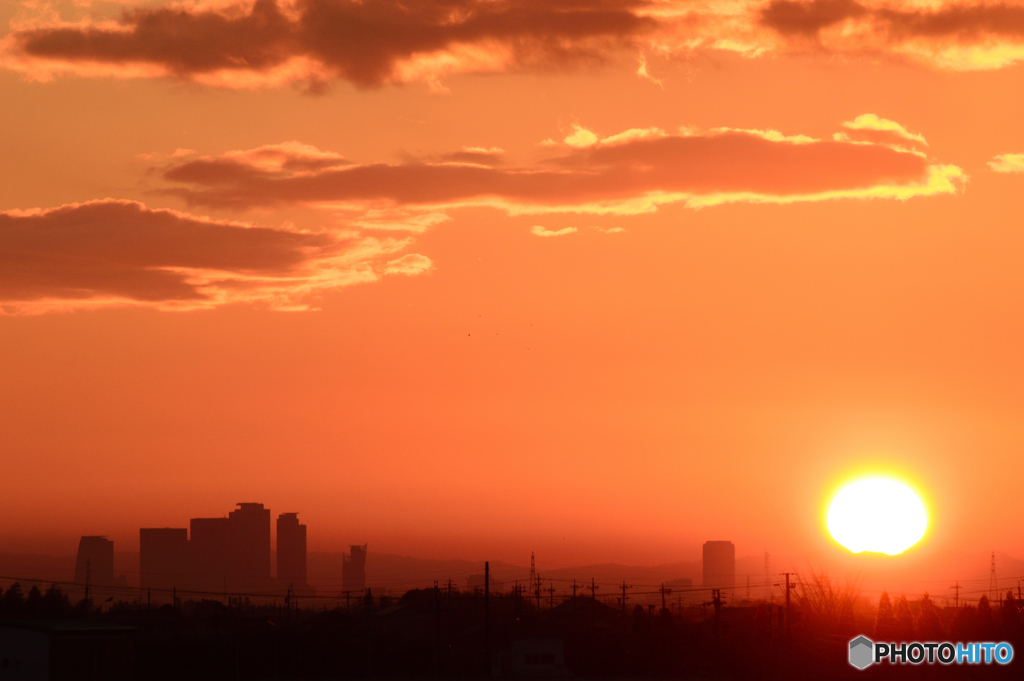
(353, 569)
(231, 554)
(209, 554)
(250, 526)
(291, 550)
(719, 565)
(163, 558)
(95, 561)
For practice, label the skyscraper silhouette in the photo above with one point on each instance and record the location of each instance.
(250, 527)
(95, 561)
(163, 558)
(719, 568)
(291, 550)
(232, 553)
(353, 569)
(209, 554)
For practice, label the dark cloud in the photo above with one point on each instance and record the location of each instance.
(117, 252)
(357, 41)
(371, 42)
(183, 41)
(807, 18)
(960, 21)
(964, 22)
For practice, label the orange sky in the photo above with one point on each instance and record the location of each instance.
(601, 280)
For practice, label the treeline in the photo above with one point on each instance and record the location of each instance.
(52, 603)
(436, 632)
(901, 620)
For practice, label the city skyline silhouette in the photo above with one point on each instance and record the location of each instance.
(461, 338)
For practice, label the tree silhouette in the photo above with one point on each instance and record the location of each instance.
(885, 622)
(34, 602)
(986, 623)
(904, 620)
(56, 603)
(1009, 617)
(929, 624)
(965, 624)
(12, 603)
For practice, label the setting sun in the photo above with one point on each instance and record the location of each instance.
(877, 514)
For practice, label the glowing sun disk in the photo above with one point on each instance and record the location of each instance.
(877, 514)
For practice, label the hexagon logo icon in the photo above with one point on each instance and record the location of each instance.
(861, 652)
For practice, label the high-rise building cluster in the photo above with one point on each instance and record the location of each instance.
(231, 554)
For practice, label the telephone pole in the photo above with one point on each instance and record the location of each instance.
(624, 587)
(788, 588)
(551, 593)
(664, 592)
(956, 591)
(993, 586)
(716, 601)
(487, 616)
(593, 589)
(437, 627)
(88, 578)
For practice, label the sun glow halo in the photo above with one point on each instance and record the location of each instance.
(880, 515)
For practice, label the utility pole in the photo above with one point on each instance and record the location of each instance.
(437, 628)
(716, 601)
(624, 587)
(993, 586)
(533, 571)
(788, 588)
(593, 589)
(574, 590)
(956, 590)
(487, 617)
(551, 594)
(88, 578)
(664, 592)
(536, 592)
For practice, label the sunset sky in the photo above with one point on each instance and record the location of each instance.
(473, 278)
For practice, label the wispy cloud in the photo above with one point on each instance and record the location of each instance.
(626, 173)
(540, 230)
(115, 253)
(1007, 163)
